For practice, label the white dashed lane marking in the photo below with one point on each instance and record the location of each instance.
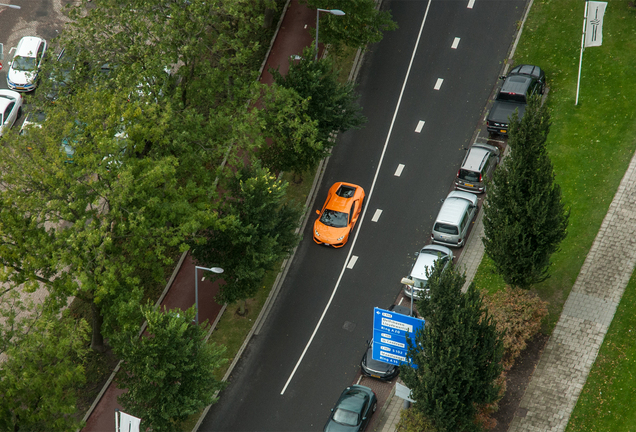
(352, 261)
(471, 3)
(438, 84)
(376, 215)
(455, 43)
(420, 125)
(398, 171)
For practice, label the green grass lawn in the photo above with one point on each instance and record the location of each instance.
(590, 144)
(606, 403)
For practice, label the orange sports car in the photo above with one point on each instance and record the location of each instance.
(339, 214)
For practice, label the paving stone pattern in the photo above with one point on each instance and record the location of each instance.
(570, 353)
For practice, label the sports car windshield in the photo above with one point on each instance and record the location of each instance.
(334, 218)
(23, 63)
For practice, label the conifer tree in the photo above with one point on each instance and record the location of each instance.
(457, 355)
(525, 219)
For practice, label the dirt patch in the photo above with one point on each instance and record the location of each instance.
(517, 382)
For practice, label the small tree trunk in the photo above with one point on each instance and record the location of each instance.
(268, 18)
(241, 310)
(97, 340)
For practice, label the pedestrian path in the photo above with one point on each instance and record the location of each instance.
(572, 349)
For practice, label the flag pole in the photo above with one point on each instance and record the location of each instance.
(578, 83)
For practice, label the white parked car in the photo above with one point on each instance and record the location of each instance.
(10, 107)
(23, 70)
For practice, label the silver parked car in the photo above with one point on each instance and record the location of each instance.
(478, 165)
(454, 218)
(425, 260)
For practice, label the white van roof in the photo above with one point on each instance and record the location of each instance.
(454, 207)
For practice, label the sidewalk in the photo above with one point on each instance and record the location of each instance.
(179, 293)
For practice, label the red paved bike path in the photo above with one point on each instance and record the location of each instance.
(292, 37)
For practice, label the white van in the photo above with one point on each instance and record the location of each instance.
(454, 218)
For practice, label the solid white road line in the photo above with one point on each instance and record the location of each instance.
(375, 179)
(471, 3)
(420, 125)
(438, 84)
(352, 261)
(398, 171)
(455, 43)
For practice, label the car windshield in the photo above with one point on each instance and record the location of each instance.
(419, 283)
(445, 228)
(345, 417)
(23, 63)
(467, 175)
(334, 218)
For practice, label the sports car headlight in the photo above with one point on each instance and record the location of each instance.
(340, 238)
(317, 233)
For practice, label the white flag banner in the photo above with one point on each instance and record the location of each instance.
(594, 23)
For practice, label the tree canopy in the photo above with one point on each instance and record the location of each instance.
(168, 372)
(258, 231)
(457, 354)
(525, 218)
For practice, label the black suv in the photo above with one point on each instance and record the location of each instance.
(521, 83)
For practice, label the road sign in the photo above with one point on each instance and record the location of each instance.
(389, 335)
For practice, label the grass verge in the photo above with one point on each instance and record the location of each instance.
(590, 144)
(607, 400)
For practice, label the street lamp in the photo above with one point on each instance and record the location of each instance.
(336, 12)
(217, 270)
(411, 283)
(10, 6)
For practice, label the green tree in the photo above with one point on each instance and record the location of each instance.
(169, 373)
(362, 23)
(98, 219)
(457, 354)
(43, 370)
(258, 229)
(295, 145)
(525, 219)
(329, 105)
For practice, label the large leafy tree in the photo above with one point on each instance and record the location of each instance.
(96, 206)
(362, 23)
(258, 229)
(168, 372)
(457, 355)
(329, 105)
(43, 369)
(525, 219)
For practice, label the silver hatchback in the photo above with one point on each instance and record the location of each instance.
(478, 165)
(453, 221)
(426, 259)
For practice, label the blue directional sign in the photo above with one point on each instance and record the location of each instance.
(389, 335)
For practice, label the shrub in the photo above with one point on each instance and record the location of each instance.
(518, 314)
(412, 420)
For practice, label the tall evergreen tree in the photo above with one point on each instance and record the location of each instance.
(457, 354)
(525, 219)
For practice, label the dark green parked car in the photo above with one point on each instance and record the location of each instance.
(353, 410)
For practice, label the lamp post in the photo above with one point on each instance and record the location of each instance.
(10, 6)
(336, 12)
(411, 283)
(217, 270)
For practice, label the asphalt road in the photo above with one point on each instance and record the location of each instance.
(254, 399)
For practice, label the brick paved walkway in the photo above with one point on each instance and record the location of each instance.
(587, 314)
